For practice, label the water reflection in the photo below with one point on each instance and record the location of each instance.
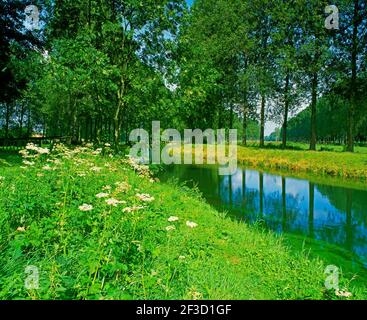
(331, 214)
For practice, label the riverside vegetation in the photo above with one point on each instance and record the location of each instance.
(99, 226)
(297, 160)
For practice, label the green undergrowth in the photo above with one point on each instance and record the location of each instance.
(121, 244)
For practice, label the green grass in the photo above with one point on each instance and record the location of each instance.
(305, 146)
(107, 253)
(327, 163)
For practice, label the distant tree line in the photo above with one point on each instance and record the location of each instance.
(331, 124)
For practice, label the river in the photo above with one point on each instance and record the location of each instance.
(328, 221)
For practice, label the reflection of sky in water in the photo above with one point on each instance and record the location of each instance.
(339, 214)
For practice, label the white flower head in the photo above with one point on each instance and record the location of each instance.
(28, 163)
(191, 224)
(344, 294)
(102, 195)
(173, 219)
(170, 228)
(145, 197)
(114, 202)
(86, 207)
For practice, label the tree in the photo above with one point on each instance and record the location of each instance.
(351, 45)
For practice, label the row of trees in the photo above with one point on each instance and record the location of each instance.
(98, 68)
(268, 59)
(332, 110)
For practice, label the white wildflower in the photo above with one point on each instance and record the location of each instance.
(344, 294)
(173, 219)
(114, 202)
(28, 163)
(145, 197)
(97, 151)
(86, 207)
(122, 186)
(191, 224)
(170, 228)
(102, 195)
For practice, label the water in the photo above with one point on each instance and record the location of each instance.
(329, 221)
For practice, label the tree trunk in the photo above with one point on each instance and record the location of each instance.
(286, 111)
(21, 120)
(29, 125)
(352, 104)
(231, 116)
(7, 121)
(313, 139)
(118, 115)
(262, 121)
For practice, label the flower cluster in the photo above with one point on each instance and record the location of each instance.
(32, 151)
(142, 170)
(145, 197)
(114, 202)
(122, 187)
(174, 219)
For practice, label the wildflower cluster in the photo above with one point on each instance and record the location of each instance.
(32, 152)
(142, 170)
(174, 219)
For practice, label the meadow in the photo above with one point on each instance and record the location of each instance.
(97, 226)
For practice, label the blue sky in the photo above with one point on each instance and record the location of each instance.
(189, 2)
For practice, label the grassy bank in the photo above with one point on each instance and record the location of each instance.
(330, 163)
(299, 162)
(98, 228)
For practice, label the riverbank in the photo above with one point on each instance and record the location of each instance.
(299, 162)
(100, 228)
(325, 163)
